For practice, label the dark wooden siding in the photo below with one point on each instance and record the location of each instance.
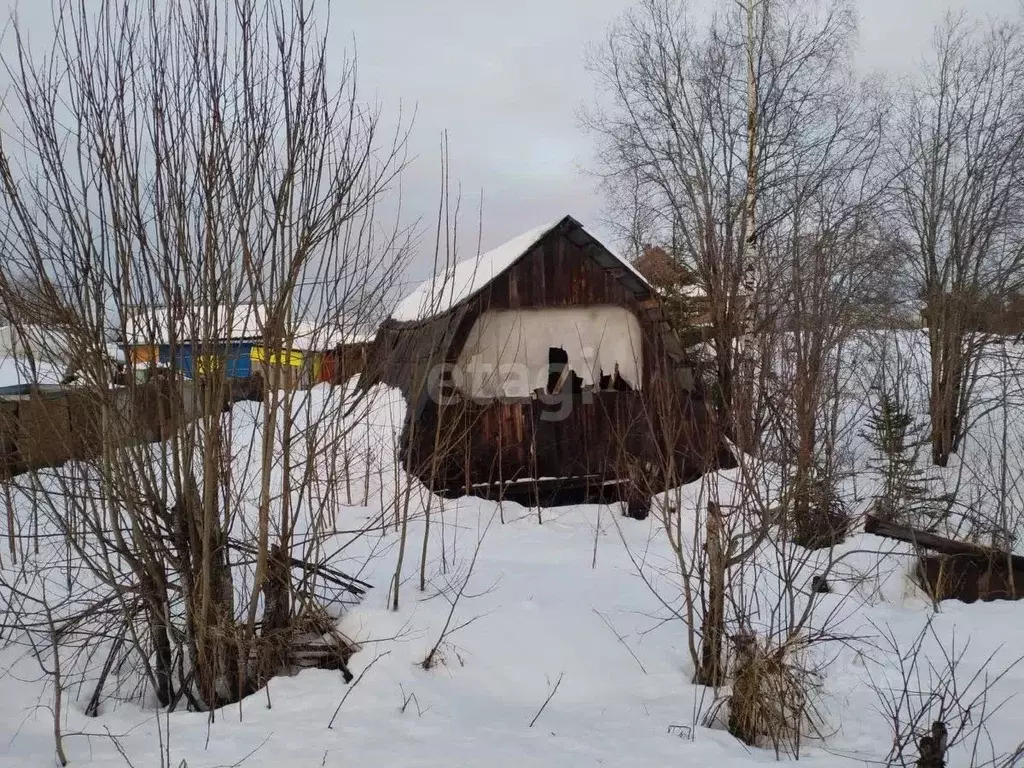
(559, 273)
(611, 435)
(343, 362)
(555, 273)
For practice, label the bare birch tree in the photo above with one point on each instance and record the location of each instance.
(706, 128)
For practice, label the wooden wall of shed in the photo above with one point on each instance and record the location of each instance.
(341, 364)
(48, 429)
(559, 273)
(85, 422)
(353, 360)
(44, 431)
(8, 436)
(968, 578)
(284, 376)
(611, 435)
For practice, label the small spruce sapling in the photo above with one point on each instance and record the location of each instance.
(895, 435)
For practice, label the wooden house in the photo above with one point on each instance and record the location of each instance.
(232, 339)
(684, 297)
(545, 371)
(195, 340)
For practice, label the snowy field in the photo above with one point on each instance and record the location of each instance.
(575, 607)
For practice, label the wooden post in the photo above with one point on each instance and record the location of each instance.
(710, 671)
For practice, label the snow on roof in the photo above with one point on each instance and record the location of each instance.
(151, 325)
(313, 336)
(16, 371)
(468, 277)
(40, 342)
(457, 283)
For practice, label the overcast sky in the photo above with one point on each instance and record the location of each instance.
(507, 79)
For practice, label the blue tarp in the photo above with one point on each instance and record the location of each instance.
(234, 356)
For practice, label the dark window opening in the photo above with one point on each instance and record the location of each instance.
(560, 375)
(558, 360)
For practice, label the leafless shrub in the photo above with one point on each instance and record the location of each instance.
(947, 688)
(773, 696)
(215, 174)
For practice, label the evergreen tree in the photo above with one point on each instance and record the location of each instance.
(896, 436)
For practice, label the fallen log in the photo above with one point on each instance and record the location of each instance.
(932, 541)
(935, 543)
(949, 569)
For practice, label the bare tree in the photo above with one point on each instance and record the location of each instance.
(708, 129)
(825, 256)
(937, 703)
(959, 165)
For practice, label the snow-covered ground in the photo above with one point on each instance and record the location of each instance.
(575, 597)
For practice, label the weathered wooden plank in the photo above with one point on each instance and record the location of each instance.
(596, 438)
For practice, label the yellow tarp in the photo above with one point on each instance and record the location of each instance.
(206, 364)
(260, 355)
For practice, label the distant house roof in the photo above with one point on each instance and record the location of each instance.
(16, 373)
(327, 336)
(43, 343)
(152, 325)
(665, 273)
(463, 280)
(662, 270)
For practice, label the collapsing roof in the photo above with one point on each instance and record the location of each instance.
(462, 281)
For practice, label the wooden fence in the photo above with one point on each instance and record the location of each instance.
(46, 426)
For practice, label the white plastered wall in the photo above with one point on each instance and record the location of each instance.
(506, 351)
